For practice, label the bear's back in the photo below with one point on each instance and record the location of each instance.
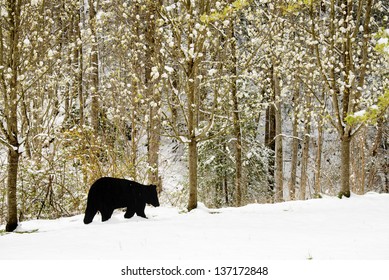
(108, 186)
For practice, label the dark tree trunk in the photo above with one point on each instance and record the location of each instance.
(192, 203)
(11, 116)
(13, 163)
(270, 134)
(345, 168)
(236, 124)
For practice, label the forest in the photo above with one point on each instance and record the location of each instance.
(259, 101)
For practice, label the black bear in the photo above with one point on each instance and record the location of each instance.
(108, 194)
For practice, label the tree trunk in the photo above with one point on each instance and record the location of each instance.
(279, 174)
(192, 203)
(78, 56)
(13, 163)
(374, 152)
(270, 134)
(192, 145)
(295, 148)
(13, 156)
(94, 63)
(304, 161)
(236, 124)
(305, 154)
(134, 132)
(154, 122)
(238, 156)
(13, 159)
(153, 148)
(11, 114)
(319, 146)
(345, 166)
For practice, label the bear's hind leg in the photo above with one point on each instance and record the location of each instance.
(106, 214)
(129, 213)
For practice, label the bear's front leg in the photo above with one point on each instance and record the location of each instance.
(140, 211)
(141, 214)
(90, 212)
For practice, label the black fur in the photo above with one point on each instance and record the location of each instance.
(108, 194)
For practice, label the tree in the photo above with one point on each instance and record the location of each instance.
(10, 61)
(152, 57)
(236, 115)
(94, 67)
(343, 64)
(197, 106)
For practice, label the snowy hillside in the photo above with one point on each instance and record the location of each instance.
(329, 228)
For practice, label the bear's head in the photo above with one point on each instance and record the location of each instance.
(152, 195)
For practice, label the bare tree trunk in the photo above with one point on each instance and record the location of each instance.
(374, 152)
(236, 124)
(78, 56)
(319, 149)
(225, 183)
(305, 154)
(13, 152)
(13, 156)
(192, 145)
(13, 163)
(192, 203)
(362, 164)
(295, 147)
(304, 161)
(345, 166)
(95, 69)
(11, 116)
(134, 132)
(154, 122)
(270, 134)
(153, 146)
(279, 174)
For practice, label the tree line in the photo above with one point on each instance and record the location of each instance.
(266, 97)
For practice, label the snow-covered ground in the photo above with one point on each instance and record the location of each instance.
(323, 229)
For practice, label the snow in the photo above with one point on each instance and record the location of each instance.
(374, 107)
(360, 113)
(169, 69)
(27, 42)
(322, 229)
(382, 41)
(212, 71)
(34, 2)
